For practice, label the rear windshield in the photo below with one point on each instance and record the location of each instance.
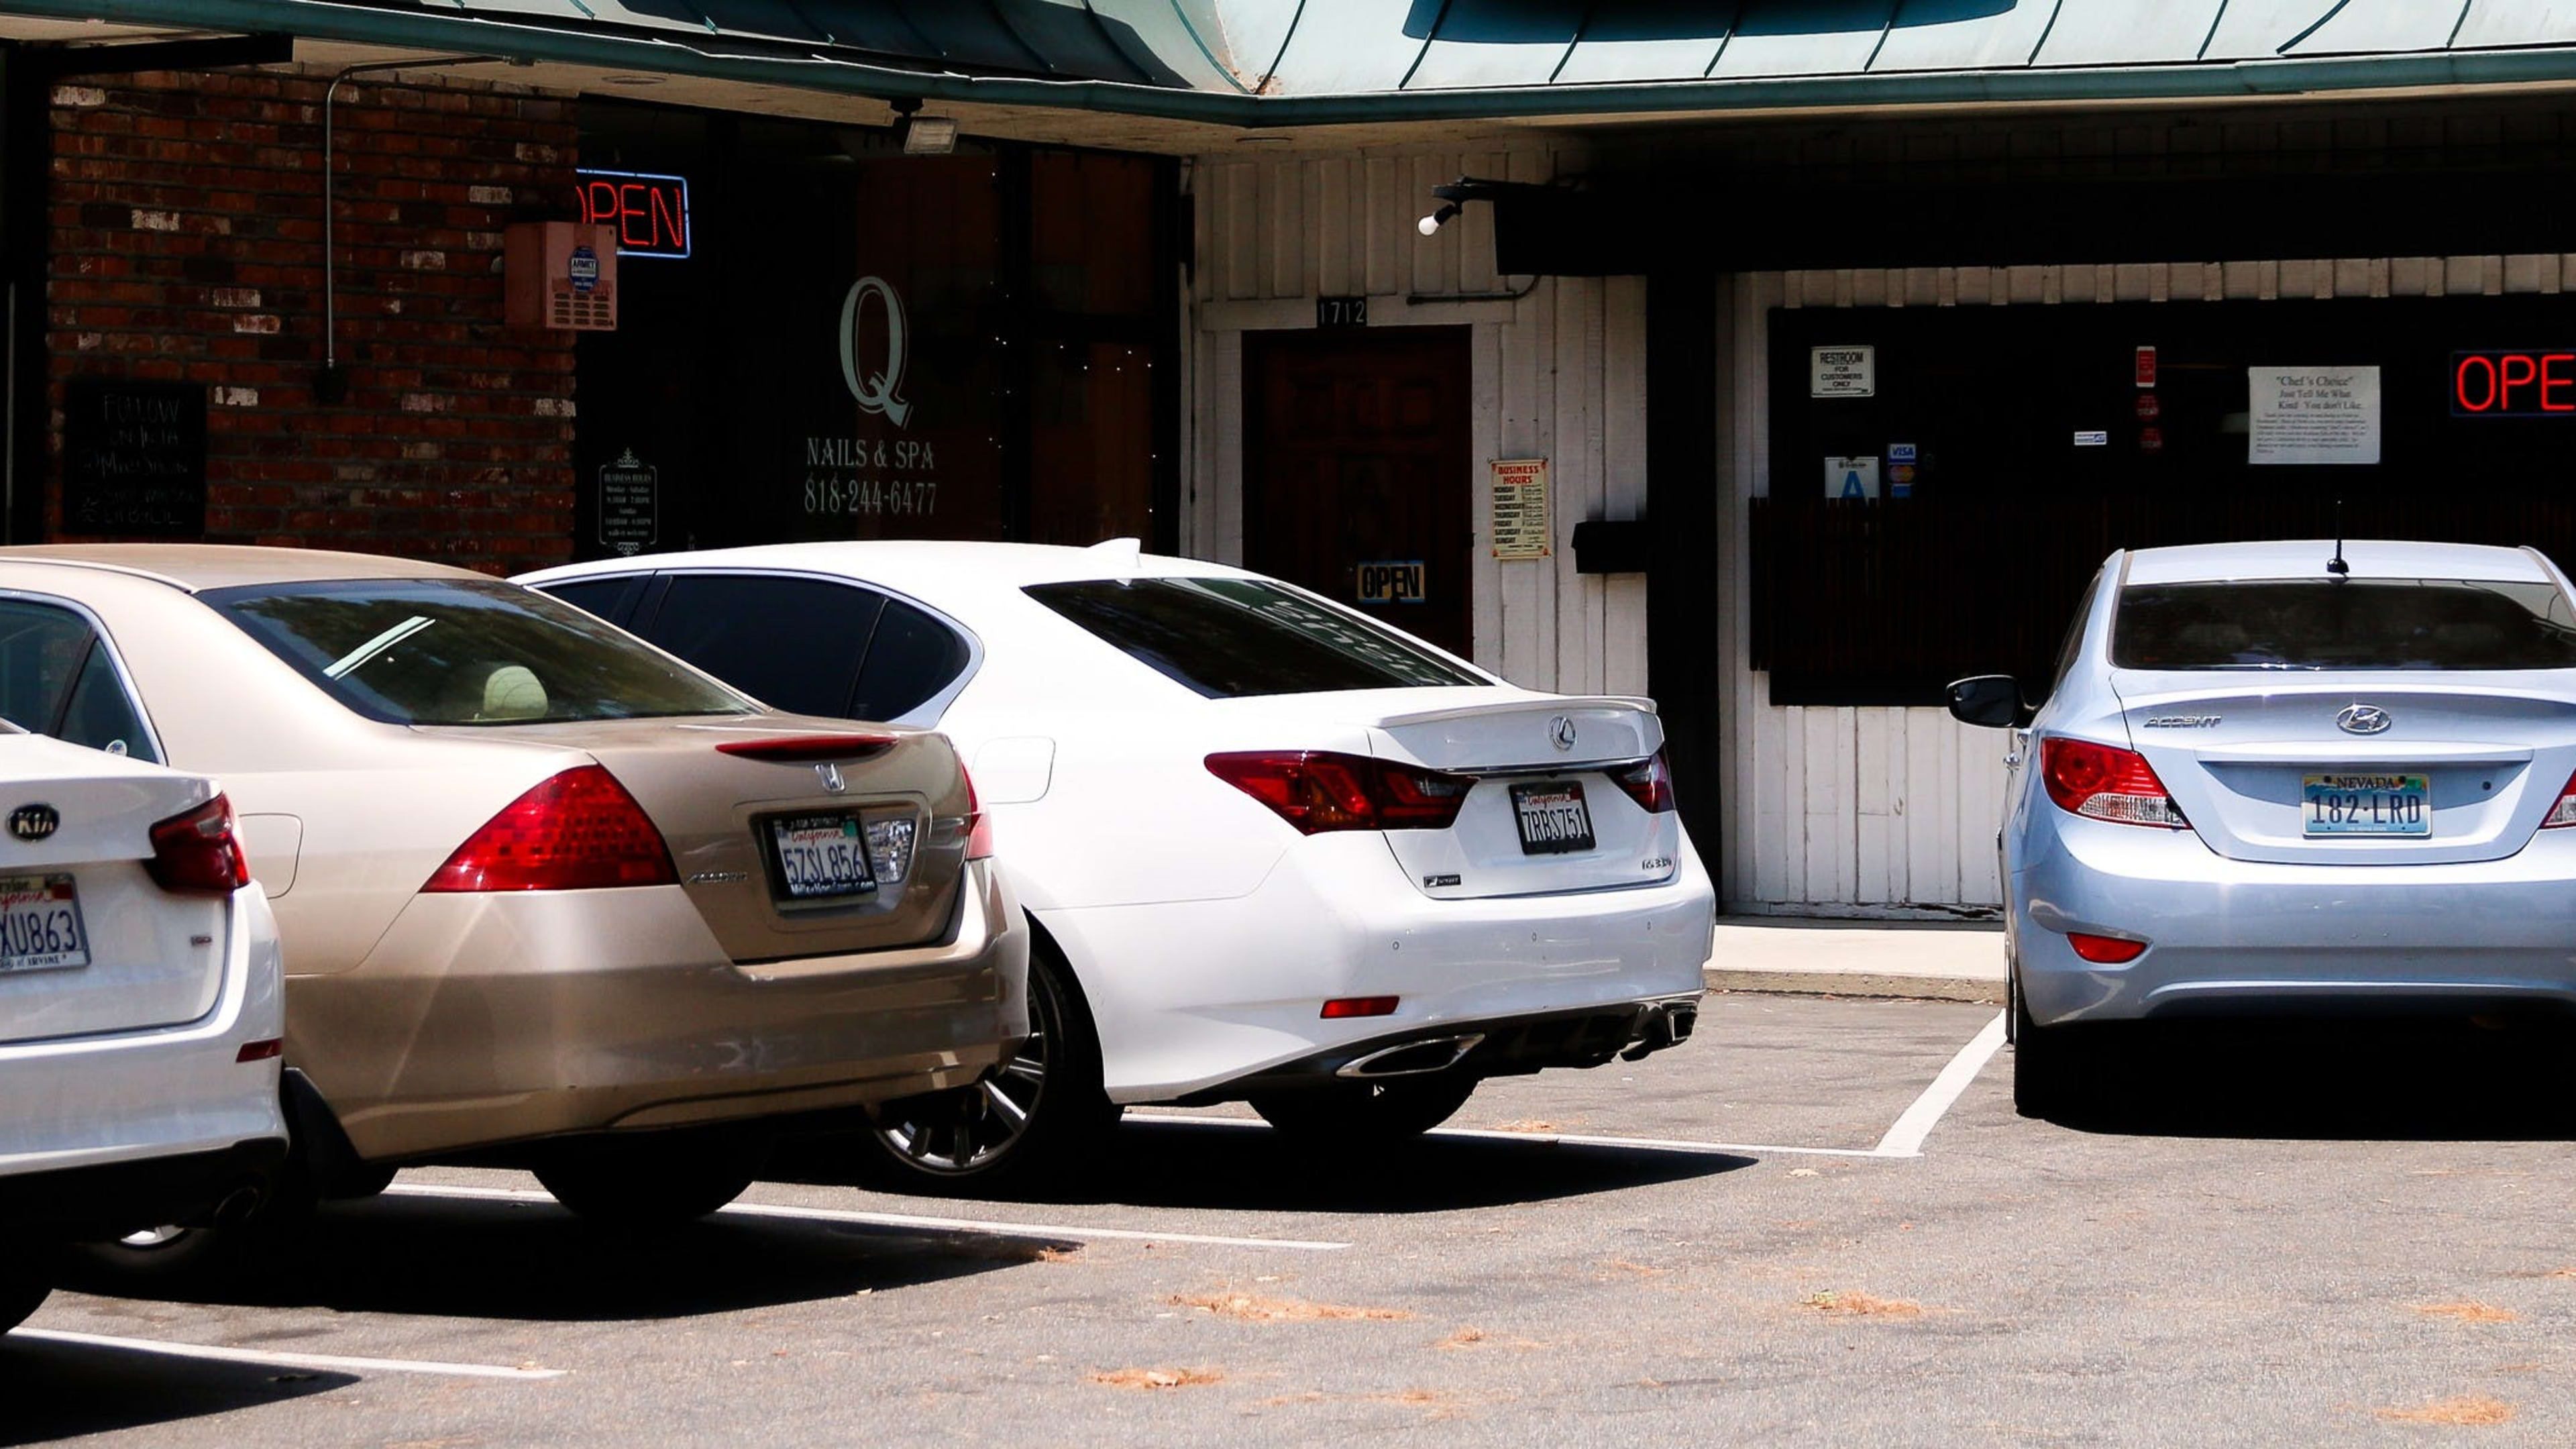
(2355, 624)
(1227, 638)
(465, 652)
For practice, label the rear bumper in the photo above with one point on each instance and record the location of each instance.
(481, 1020)
(1587, 1037)
(109, 1200)
(2238, 937)
(158, 1110)
(1193, 999)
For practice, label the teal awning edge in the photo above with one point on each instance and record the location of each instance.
(829, 73)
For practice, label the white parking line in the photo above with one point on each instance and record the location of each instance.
(1905, 1139)
(905, 1220)
(268, 1359)
(1659, 1144)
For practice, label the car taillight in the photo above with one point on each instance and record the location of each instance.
(198, 851)
(2105, 950)
(2564, 812)
(579, 830)
(979, 826)
(1649, 783)
(2106, 783)
(1318, 790)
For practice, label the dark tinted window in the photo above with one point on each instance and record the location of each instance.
(2357, 624)
(1226, 638)
(101, 715)
(610, 599)
(912, 657)
(56, 678)
(464, 651)
(792, 644)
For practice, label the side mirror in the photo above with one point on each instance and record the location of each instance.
(1990, 700)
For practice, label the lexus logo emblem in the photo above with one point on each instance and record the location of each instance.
(877, 389)
(830, 775)
(2363, 719)
(1561, 730)
(34, 822)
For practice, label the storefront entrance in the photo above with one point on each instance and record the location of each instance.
(1356, 461)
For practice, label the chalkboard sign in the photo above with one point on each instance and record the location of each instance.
(134, 458)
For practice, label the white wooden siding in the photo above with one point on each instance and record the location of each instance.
(1558, 373)
(1895, 810)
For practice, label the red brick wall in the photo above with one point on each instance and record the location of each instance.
(186, 215)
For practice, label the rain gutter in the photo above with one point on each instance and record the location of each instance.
(811, 69)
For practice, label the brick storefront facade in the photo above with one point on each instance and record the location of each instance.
(185, 216)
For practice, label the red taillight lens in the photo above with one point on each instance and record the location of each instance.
(809, 749)
(579, 830)
(2105, 950)
(979, 826)
(198, 851)
(260, 1051)
(1317, 790)
(2105, 783)
(1347, 1006)
(1649, 783)
(2564, 812)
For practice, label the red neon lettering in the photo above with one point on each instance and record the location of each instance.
(598, 202)
(2530, 373)
(627, 211)
(2558, 374)
(670, 220)
(2460, 385)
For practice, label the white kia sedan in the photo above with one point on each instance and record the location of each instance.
(1275, 850)
(141, 1002)
(2290, 778)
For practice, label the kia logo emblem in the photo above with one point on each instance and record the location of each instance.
(34, 822)
(1561, 730)
(2363, 719)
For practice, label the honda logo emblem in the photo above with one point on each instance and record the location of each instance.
(2363, 719)
(830, 774)
(1561, 730)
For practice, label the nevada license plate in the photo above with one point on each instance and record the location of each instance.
(40, 924)
(821, 855)
(1553, 818)
(2369, 805)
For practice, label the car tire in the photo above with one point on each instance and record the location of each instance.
(1031, 1120)
(2045, 1080)
(653, 1179)
(23, 1286)
(1366, 1114)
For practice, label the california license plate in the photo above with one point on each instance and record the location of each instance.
(1553, 818)
(2369, 805)
(820, 856)
(40, 924)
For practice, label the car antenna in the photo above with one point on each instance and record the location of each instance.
(2336, 566)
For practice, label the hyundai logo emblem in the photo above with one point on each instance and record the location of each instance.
(34, 822)
(1561, 730)
(2363, 719)
(830, 775)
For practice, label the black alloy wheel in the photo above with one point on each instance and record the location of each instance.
(23, 1285)
(2044, 1071)
(1365, 1113)
(1025, 1119)
(654, 1179)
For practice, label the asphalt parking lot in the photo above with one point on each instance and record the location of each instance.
(1819, 1222)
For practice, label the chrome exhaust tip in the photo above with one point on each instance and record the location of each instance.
(238, 1206)
(1413, 1058)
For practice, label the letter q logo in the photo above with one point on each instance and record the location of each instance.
(877, 391)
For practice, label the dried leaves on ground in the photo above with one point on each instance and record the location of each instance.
(1862, 1305)
(1157, 1378)
(2461, 1410)
(1258, 1309)
(2468, 1312)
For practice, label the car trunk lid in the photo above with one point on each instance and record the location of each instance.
(2318, 768)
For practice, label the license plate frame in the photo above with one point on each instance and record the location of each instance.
(2348, 804)
(794, 845)
(1543, 801)
(45, 896)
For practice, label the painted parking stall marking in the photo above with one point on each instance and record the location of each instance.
(266, 1358)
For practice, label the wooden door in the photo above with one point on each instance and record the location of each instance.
(1356, 454)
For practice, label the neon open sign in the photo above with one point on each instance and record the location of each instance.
(651, 213)
(2517, 383)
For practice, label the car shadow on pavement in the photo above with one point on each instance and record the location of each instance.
(62, 1390)
(506, 1260)
(1173, 1162)
(2359, 1079)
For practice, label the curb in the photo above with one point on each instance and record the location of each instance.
(1861, 983)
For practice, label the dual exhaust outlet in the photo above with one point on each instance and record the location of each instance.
(1659, 1024)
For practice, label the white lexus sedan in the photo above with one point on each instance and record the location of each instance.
(2289, 779)
(1275, 851)
(141, 1005)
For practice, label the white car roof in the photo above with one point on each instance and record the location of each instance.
(2370, 558)
(923, 568)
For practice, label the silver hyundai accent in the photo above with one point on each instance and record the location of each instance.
(2284, 778)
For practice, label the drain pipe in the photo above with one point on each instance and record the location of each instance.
(332, 386)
